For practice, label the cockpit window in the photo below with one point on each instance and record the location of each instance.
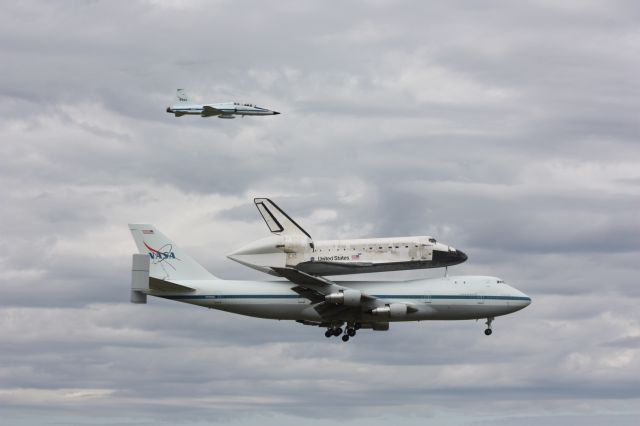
(500, 281)
(432, 240)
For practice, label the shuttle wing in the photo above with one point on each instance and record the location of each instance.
(320, 285)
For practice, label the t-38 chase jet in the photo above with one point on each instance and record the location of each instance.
(221, 110)
(162, 269)
(292, 247)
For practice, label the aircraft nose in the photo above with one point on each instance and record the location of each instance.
(275, 112)
(522, 299)
(448, 257)
(168, 109)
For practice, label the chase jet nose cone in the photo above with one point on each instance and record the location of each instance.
(275, 112)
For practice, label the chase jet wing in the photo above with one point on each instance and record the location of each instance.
(277, 220)
(208, 111)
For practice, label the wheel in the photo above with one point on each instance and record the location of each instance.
(345, 338)
(337, 331)
(357, 326)
(351, 332)
(328, 333)
(487, 332)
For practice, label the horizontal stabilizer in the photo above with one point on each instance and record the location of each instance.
(162, 285)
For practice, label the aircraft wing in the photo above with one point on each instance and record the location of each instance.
(315, 288)
(208, 111)
(341, 298)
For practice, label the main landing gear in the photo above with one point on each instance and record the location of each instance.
(349, 331)
(488, 330)
(335, 331)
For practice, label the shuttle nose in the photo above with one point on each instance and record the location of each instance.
(168, 109)
(448, 257)
(275, 112)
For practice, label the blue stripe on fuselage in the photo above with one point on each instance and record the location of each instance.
(380, 296)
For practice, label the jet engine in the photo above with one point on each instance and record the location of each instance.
(394, 310)
(344, 297)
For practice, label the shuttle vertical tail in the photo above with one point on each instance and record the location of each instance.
(277, 220)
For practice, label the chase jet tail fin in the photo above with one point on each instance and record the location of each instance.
(181, 96)
(167, 260)
(278, 221)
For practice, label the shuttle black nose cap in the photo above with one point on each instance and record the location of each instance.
(168, 109)
(448, 258)
(275, 113)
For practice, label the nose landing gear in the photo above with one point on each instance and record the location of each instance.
(488, 330)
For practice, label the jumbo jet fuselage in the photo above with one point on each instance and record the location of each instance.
(447, 298)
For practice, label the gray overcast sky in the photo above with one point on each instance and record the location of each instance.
(507, 129)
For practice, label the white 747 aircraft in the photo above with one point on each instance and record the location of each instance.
(164, 270)
(221, 110)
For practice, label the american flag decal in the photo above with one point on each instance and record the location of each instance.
(355, 257)
(147, 231)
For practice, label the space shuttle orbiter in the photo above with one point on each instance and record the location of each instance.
(291, 246)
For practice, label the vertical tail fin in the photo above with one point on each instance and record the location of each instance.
(167, 260)
(277, 220)
(181, 96)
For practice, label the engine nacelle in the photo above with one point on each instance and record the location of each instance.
(344, 297)
(394, 310)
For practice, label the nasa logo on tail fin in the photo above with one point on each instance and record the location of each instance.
(167, 260)
(164, 253)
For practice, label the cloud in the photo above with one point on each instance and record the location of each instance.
(506, 130)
